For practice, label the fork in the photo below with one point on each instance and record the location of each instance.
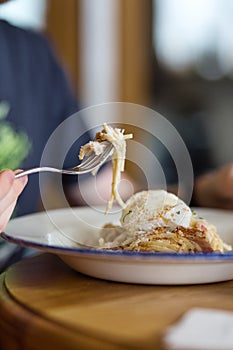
(88, 165)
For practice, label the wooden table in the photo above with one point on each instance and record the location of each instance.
(46, 305)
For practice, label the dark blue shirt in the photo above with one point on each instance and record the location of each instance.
(36, 89)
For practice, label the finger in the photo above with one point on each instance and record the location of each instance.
(12, 195)
(6, 215)
(6, 180)
(20, 183)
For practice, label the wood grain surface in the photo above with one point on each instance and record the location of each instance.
(46, 305)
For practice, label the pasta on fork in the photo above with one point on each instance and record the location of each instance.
(118, 139)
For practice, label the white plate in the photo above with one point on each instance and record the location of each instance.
(56, 231)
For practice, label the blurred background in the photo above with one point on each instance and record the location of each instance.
(175, 56)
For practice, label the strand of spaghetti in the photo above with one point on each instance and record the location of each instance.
(118, 139)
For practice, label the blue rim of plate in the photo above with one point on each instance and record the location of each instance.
(211, 256)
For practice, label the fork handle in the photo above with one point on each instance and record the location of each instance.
(36, 170)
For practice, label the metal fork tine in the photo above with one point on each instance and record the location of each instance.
(89, 159)
(95, 163)
(86, 161)
(96, 160)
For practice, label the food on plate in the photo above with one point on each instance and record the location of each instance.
(118, 139)
(159, 221)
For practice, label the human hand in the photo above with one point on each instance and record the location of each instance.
(10, 189)
(215, 189)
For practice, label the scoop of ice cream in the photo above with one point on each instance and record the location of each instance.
(149, 209)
